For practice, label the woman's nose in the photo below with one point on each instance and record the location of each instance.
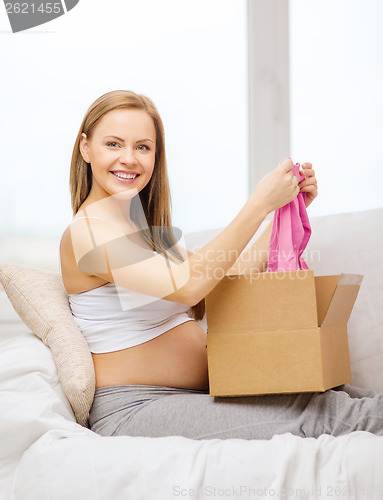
(128, 156)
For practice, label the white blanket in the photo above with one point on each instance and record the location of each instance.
(46, 455)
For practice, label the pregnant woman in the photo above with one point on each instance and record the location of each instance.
(136, 293)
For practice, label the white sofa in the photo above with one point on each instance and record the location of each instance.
(46, 455)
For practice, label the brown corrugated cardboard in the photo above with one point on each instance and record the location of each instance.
(280, 332)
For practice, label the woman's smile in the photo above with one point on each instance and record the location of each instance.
(125, 177)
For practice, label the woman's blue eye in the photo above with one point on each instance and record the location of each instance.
(115, 144)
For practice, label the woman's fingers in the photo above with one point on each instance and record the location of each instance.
(309, 177)
(309, 184)
(286, 165)
(307, 170)
(307, 165)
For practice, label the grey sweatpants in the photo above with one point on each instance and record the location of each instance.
(156, 411)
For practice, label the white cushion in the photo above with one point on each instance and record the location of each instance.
(352, 243)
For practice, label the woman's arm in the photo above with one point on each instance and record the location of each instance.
(254, 258)
(104, 252)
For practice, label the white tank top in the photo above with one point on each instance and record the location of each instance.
(112, 317)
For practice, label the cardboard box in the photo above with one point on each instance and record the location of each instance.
(282, 332)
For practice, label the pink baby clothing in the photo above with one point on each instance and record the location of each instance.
(290, 233)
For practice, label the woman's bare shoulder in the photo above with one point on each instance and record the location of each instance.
(74, 245)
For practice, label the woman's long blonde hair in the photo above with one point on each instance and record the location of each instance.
(155, 197)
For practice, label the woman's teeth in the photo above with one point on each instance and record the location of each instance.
(125, 176)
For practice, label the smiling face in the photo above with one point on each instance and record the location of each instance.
(122, 146)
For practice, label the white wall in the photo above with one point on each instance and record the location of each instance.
(188, 56)
(337, 100)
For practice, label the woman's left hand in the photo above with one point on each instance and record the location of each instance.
(309, 185)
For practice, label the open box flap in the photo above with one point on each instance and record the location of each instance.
(342, 301)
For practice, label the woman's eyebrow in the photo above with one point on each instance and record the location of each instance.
(122, 140)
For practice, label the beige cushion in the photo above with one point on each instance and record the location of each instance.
(41, 301)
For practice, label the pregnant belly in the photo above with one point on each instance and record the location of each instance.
(177, 358)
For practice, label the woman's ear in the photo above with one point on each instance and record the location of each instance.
(84, 147)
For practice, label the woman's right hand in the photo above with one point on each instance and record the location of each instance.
(277, 188)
